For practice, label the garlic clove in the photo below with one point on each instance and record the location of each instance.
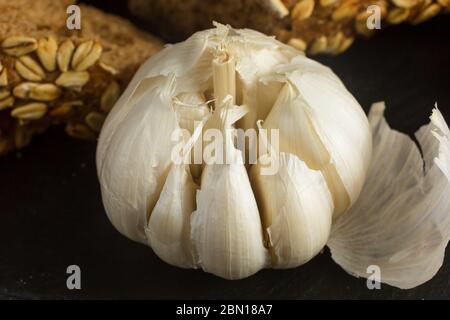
(401, 221)
(168, 230)
(291, 115)
(137, 162)
(331, 109)
(226, 228)
(317, 99)
(257, 94)
(296, 209)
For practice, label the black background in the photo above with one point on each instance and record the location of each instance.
(52, 215)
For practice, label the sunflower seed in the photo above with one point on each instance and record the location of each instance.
(108, 68)
(46, 51)
(23, 90)
(425, 3)
(319, 45)
(45, 92)
(65, 54)
(31, 111)
(75, 103)
(110, 97)
(29, 69)
(427, 13)
(334, 42)
(383, 9)
(95, 120)
(298, 43)
(80, 131)
(346, 10)
(444, 3)
(345, 44)
(362, 29)
(3, 78)
(73, 79)
(60, 111)
(326, 3)
(18, 46)
(86, 54)
(65, 109)
(405, 3)
(279, 7)
(303, 10)
(4, 93)
(89, 59)
(362, 16)
(1, 66)
(6, 103)
(81, 52)
(398, 15)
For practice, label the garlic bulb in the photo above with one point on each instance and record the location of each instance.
(236, 223)
(227, 214)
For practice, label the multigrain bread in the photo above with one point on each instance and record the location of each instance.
(52, 75)
(317, 26)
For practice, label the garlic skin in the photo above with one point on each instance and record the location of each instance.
(325, 143)
(190, 107)
(401, 221)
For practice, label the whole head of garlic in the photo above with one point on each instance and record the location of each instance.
(233, 219)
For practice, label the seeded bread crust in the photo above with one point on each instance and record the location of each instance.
(36, 90)
(316, 26)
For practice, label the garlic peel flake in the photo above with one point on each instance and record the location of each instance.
(401, 221)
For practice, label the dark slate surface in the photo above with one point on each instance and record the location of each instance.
(52, 214)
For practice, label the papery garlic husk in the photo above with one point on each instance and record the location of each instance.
(191, 109)
(400, 225)
(272, 82)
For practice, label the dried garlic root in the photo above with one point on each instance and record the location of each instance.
(60, 76)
